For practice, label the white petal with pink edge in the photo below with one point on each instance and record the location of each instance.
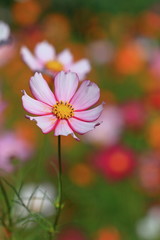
(41, 90)
(46, 123)
(89, 115)
(87, 95)
(65, 57)
(66, 84)
(30, 60)
(34, 106)
(81, 127)
(44, 52)
(82, 67)
(62, 128)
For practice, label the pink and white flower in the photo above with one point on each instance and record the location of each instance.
(45, 59)
(66, 110)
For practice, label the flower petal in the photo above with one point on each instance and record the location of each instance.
(65, 57)
(41, 90)
(46, 123)
(89, 115)
(62, 128)
(44, 52)
(30, 60)
(66, 84)
(81, 67)
(81, 127)
(34, 106)
(87, 95)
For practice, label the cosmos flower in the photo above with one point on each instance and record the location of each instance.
(65, 111)
(13, 147)
(45, 59)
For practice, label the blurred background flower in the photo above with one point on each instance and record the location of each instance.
(112, 176)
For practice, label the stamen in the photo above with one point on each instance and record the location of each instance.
(55, 66)
(63, 110)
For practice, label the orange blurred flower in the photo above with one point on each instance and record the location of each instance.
(81, 174)
(149, 24)
(153, 100)
(108, 234)
(26, 13)
(26, 130)
(56, 28)
(153, 133)
(129, 59)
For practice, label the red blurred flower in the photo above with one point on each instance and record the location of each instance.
(130, 59)
(153, 99)
(26, 13)
(116, 162)
(71, 234)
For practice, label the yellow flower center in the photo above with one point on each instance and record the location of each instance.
(63, 110)
(54, 66)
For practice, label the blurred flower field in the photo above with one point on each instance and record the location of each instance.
(111, 177)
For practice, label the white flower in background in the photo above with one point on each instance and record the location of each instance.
(148, 228)
(38, 199)
(4, 31)
(46, 59)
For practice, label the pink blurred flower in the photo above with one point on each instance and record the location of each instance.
(134, 114)
(45, 59)
(116, 162)
(7, 52)
(11, 147)
(101, 51)
(7, 46)
(108, 133)
(2, 107)
(64, 112)
(154, 66)
(149, 172)
(2, 104)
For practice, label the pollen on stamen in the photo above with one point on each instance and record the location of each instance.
(63, 110)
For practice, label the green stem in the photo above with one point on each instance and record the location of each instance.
(59, 202)
(7, 204)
